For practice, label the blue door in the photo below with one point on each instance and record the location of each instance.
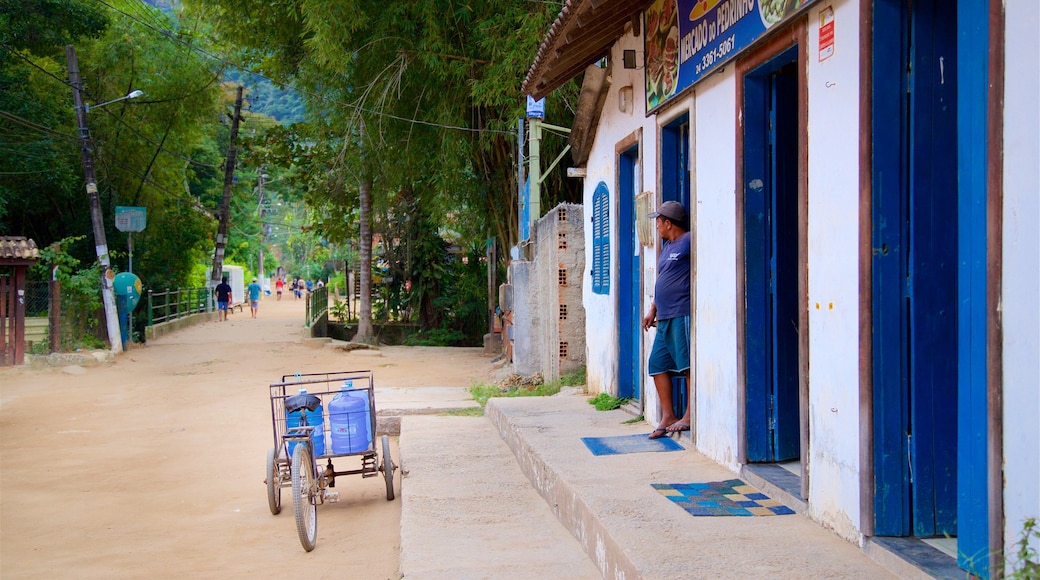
(629, 280)
(771, 259)
(915, 268)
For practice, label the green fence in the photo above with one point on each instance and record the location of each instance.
(317, 304)
(173, 304)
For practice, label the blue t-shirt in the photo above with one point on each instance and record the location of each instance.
(254, 291)
(672, 293)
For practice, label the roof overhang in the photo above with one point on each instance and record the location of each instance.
(582, 34)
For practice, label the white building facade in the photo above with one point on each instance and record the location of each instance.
(861, 177)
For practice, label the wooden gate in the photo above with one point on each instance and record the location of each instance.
(16, 255)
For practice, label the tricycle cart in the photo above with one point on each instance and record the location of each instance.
(322, 416)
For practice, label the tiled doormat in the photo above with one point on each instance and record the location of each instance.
(732, 497)
(629, 444)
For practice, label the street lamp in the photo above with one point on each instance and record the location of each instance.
(131, 95)
(100, 243)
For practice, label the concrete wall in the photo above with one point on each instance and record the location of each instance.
(162, 329)
(527, 322)
(1021, 273)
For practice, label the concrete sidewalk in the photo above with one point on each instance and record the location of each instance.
(604, 505)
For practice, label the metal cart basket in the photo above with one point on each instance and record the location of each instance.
(318, 417)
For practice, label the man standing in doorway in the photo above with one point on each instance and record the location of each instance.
(254, 297)
(223, 292)
(670, 312)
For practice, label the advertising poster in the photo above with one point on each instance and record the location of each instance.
(685, 40)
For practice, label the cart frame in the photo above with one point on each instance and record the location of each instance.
(310, 482)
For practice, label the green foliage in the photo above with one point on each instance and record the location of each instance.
(607, 402)
(575, 378)
(367, 68)
(144, 150)
(55, 260)
(481, 392)
(1027, 562)
(436, 337)
(339, 311)
(464, 412)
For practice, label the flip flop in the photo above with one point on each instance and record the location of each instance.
(658, 433)
(678, 427)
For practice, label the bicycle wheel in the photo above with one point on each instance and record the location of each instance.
(388, 469)
(274, 482)
(302, 488)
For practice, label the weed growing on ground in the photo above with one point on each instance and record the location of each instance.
(520, 386)
(466, 412)
(607, 402)
(633, 420)
(1027, 561)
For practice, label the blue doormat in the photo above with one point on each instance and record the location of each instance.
(732, 497)
(629, 444)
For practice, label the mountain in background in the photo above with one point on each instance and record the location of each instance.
(263, 96)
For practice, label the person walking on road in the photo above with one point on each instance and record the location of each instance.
(279, 285)
(223, 292)
(670, 313)
(254, 297)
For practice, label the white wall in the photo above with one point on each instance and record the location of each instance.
(1021, 273)
(833, 276)
(715, 368)
(601, 320)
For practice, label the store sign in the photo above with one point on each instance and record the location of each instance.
(686, 40)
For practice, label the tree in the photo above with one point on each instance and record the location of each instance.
(159, 151)
(418, 96)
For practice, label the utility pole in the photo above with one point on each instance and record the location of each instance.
(263, 226)
(225, 204)
(96, 219)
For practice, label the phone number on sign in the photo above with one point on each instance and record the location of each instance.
(716, 54)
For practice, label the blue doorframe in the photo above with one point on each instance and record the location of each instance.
(770, 163)
(629, 279)
(973, 49)
(675, 186)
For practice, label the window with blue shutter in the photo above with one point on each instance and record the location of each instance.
(601, 240)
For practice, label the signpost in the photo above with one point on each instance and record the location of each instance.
(130, 219)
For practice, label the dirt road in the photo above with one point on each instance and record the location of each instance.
(153, 466)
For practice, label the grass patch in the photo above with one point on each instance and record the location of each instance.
(607, 402)
(519, 386)
(482, 392)
(466, 412)
(633, 420)
(574, 378)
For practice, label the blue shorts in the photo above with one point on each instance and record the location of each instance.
(222, 305)
(671, 352)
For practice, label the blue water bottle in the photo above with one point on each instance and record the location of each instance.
(314, 419)
(349, 420)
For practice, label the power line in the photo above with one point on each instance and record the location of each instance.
(119, 119)
(170, 36)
